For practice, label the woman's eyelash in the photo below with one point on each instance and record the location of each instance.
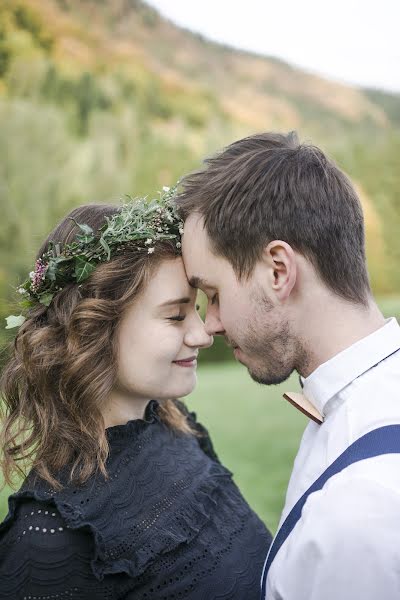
(181, 318)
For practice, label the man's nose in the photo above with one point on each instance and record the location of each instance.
(212, 323)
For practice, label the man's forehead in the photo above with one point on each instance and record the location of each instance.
(195, 244)
(194, 228)
(198, 257)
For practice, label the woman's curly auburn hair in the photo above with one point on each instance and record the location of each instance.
(64, 362)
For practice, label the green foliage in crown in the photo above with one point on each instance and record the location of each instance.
(139, 222)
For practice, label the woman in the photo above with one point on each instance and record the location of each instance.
(125, 497)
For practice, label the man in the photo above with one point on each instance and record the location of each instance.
(274, 236)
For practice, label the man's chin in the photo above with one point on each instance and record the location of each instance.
(258, 375)
(268, 378)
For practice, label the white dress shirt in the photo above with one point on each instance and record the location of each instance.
(346, 544)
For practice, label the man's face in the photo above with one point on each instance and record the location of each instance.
(245, 312)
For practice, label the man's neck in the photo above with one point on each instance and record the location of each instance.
(335, 326)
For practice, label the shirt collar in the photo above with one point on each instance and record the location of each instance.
(335, 374)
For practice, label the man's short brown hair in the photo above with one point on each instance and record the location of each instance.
(270, 187)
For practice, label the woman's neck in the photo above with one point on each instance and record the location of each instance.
(122, 407)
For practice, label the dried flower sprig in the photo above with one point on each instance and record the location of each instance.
(139, 222)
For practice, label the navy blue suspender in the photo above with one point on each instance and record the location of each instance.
(384, 440)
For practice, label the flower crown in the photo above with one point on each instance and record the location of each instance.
(139, 222)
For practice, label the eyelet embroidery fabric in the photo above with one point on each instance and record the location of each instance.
(169, 524)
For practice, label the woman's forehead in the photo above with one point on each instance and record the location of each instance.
(169, 282)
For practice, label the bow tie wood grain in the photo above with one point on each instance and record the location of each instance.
(304, 405)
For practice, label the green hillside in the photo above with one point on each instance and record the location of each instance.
(99, 99)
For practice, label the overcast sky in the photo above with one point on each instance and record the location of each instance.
(353, 41)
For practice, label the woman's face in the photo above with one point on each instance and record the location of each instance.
(160, 336)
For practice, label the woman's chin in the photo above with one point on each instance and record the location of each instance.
(186, 388)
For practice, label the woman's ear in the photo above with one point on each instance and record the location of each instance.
(281, 260)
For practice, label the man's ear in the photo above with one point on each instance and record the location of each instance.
(281, 260)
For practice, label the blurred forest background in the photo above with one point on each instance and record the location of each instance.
(99, 99)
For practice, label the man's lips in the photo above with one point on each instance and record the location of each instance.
(230, 343)
(234, 347)
(237, 353)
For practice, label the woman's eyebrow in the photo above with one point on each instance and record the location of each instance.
(174, 301)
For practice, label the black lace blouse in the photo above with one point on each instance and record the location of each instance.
(169, 524)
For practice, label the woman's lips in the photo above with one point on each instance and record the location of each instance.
(186, 362)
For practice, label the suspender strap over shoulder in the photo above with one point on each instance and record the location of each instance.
(384, 440)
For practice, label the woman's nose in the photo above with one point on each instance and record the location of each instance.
(197, 336)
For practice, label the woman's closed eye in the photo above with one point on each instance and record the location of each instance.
(214, 299)
(181, 317)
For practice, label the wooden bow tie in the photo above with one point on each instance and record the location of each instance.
(304, 405)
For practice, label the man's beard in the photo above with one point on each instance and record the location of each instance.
(274, 351)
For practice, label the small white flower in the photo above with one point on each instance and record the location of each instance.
(150, 251)
(159, 229)
(31, 274)
(21, 290)
(166, 188)
(148, 241)
(181, 230)
(178, 244)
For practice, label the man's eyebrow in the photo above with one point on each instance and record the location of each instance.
(175, 301)
(199, 282)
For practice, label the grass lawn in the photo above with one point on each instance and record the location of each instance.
(254, 430)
